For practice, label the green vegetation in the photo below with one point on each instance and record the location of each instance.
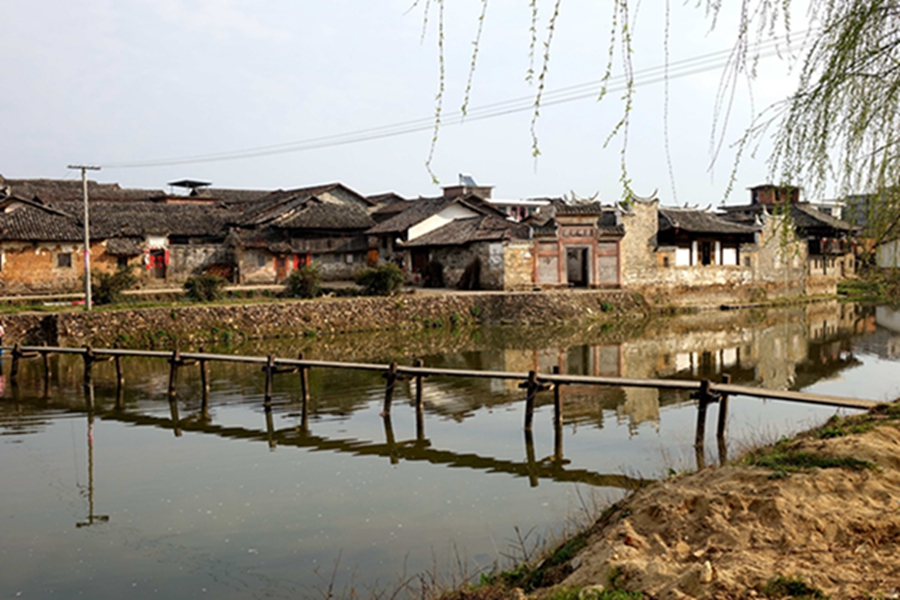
(305, 282)
(784, 458)
(382, 280)
(107, 288)
(881, 287)
(205, 288)
(837, 427)
(791, 587)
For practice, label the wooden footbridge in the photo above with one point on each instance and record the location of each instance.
(706, 392)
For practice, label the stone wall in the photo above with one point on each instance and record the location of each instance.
(184, 326)
(518, 265)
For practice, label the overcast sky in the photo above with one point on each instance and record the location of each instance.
(120, 81)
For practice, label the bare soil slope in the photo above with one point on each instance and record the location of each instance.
(726, 532)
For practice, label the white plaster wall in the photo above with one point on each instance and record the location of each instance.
(451, 213)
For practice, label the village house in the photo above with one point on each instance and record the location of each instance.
(820, 243)
(284, 230)
(578, 246)
(774, 246)
(458, 239)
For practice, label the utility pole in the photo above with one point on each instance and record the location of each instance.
(87, 233)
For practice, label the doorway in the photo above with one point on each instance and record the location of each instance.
(577, 267)
(158, 263)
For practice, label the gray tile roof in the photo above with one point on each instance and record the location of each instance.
(27, 220)
(125, 246)
(485, 228)
(421, 209)
(699, 221)
(68, 189)
(137, 219)
(326, 215)
(587, 208)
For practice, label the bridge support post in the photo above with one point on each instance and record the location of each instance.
(531, 386)
(304, 391)
(89, 359)
(704, 397)
(14, 369)
(720, 426)
(204, 385)
(174, 363)
(420, 404)
(391, 377)
(270, 376)
(120, 374)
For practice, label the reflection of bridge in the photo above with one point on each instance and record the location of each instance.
(551, 468)
(705, 392)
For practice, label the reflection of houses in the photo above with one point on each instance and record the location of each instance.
(884, 339)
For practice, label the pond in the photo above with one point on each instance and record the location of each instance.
(106, 495)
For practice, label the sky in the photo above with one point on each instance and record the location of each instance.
(118, 82)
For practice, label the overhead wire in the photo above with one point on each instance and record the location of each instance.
(643, 77)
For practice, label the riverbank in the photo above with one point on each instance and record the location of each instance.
(210, 323)
(814, 517)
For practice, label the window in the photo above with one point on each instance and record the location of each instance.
(122, 261)
(64, 260)
(260, 260)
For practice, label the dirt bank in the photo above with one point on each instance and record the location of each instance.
(814, 517)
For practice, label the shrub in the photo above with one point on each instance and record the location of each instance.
(107, 288)
(382, 280)
(204, 288)
(304, 282)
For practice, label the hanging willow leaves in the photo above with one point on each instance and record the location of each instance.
(840, 127)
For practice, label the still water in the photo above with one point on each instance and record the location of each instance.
(107, 496)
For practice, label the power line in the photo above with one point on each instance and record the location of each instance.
(649, 76)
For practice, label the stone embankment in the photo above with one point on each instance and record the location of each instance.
(166, 327)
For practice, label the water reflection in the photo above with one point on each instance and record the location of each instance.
(784, 349)
(319, 471)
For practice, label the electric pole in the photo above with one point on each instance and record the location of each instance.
(87, 233)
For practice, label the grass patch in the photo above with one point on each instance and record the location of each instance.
(784, 460)
(791, 587)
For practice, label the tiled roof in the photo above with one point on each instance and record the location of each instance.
(278, 242)
(326, 215)
(699, 221)
(587, 208)
(69, 189)
(418, 211)
(137, 219)
(124, 246)
(386, 198)
(806, 216)
(229, 195)
(26, 220)
(421, 209)
(486, 228)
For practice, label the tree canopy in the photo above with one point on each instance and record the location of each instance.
(838, 130)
